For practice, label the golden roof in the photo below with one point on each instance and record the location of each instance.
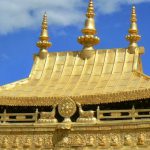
(112, 75)
(88, 77)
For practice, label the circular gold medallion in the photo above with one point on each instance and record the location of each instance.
(67, 108)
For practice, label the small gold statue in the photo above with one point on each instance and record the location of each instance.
(5, 143)
(141, 139)
(27, 143)
(39, 142)
(115, 141)
(127, 140)
(102, 141)
(16, 143)
(91, 140)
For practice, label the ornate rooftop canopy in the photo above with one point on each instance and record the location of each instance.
(89, 76)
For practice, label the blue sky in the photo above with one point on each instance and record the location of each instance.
(20, 29)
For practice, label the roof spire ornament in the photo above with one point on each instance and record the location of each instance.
(43, 42)
(88, 40)
(133, 37)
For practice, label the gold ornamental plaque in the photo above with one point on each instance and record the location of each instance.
(67, 108)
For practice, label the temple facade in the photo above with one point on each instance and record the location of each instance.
(79, 100)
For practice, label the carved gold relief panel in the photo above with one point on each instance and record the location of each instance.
(62, 139)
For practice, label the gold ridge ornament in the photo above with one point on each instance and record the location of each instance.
(88, 40)
(133, 37)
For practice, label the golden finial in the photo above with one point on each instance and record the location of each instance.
(44, 43)
(133, 36)
(88, 40)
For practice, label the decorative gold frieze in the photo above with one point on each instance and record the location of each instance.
(41, 137)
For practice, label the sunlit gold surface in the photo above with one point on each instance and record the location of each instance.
(133, 36)
(88, 40)
(109, 76)
(112, 136)
(112, 75)
(44, 43)
(120, 129)
(67, 81)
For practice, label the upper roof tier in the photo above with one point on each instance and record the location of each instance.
(109, 76)
(88, 77)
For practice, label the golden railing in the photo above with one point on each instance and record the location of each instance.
(19, 117)
(130, 114)
(84, 116)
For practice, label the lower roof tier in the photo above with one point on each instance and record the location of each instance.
(109, 76)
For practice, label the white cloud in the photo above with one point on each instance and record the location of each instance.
(18, 14)
(110, 6)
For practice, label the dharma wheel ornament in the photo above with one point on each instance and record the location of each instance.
(67, 109)
(88, 40)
